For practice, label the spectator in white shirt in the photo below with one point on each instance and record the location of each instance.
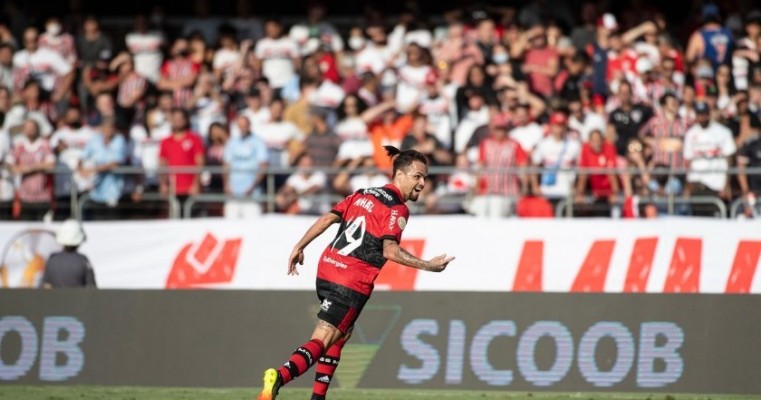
(54, 73)
(707, 148)
(297, 195)
(556, 151)
(68, 142)
(6, 65)
(276, 55)
(282, 137)
(145, 46)
(360, 173)
(526, 132)
(256, 112)
(584, 121)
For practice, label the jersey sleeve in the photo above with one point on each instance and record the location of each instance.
(340, 208)
(394, 223)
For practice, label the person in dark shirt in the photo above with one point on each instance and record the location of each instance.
(629, 118)
(69, 268)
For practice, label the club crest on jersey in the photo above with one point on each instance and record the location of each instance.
(402, 223)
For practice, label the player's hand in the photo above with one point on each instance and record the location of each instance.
(439, 263)
(297, 257)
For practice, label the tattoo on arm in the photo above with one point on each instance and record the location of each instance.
(404, 257)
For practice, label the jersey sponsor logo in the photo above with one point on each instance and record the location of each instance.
(335, 262)
(379, 193)
(367, 204)
(325, 306)
(212, 261)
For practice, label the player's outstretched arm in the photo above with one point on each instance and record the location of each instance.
(319, 226)
(394, 252)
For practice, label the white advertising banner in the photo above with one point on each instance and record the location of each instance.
(656, 256)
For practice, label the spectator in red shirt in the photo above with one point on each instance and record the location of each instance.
(541, 62)
(598, 154)
(183, 149)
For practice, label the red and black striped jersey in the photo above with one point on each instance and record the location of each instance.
(368, 217)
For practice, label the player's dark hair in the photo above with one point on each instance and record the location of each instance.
(403, 159)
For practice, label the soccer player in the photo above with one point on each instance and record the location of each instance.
(371, 224)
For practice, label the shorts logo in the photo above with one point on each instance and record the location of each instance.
(325, 306)
(402, 223)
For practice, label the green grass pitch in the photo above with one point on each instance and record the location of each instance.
(11, 392)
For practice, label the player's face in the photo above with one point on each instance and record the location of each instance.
(413, 181)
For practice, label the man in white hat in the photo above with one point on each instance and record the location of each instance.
(69, 268)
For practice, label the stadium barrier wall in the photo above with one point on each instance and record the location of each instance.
(673, 255)
(698, 343)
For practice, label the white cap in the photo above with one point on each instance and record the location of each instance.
(299, 33)
(70, 233)
(644, 65)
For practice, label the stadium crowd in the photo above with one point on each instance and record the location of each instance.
(484, 91)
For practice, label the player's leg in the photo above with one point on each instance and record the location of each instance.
(303, 358)
(326, 367)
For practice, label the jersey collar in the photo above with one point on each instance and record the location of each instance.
(395, 190)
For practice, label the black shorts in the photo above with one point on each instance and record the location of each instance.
(339, 305)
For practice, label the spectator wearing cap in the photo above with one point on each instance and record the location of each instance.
(712, 41)
(525, 131)
(664, 134)
(628, 118)
(555, 152)
(69, 268)
(499, 184)
(256, 111)
(707, 148)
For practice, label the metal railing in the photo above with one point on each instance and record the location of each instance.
(80, 202)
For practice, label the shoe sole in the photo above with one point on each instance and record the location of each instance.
(270, 379)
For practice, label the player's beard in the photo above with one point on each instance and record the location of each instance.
(414, 194)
